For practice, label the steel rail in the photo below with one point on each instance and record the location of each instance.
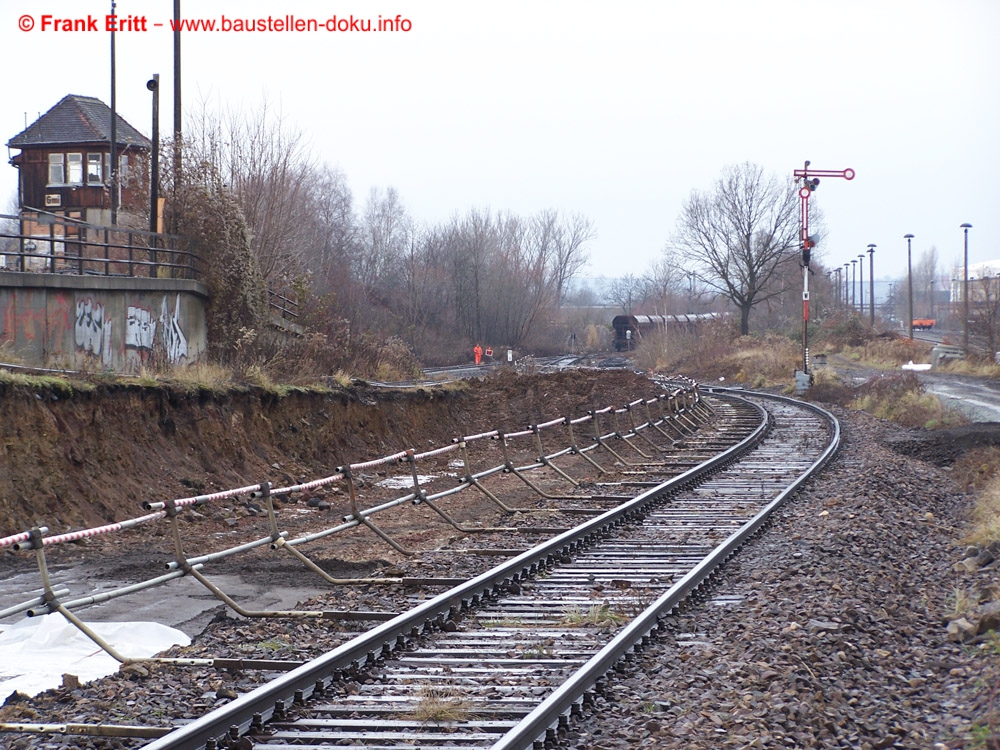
(560, 703)
(259, 706)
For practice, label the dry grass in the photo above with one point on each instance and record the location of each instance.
(716, 352)
(598, 616)
(201, 374)
(341, 378)
(977, 467)
(901, 399)
(9, 356)
(441, 705)
(974, 367)
(986, 516)
(763, 363)
(888, 353)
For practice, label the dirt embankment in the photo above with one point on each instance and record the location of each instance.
(81, 458)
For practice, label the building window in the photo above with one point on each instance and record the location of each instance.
(74, 167)
(94, 169)
(57, 171)
(122, 167)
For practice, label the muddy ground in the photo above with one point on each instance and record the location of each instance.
(91, 457)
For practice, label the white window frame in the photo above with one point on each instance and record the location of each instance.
(57, 161)
(95, 177)
(74, 168)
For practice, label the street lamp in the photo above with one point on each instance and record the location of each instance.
(847, 280)
(153, 84)
(909, 284)
(965, 292)
(871, 280)
(861, 282)
(854, 288)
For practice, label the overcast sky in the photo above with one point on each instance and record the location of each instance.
(612, 110)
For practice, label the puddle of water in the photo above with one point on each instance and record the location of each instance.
(403, 483)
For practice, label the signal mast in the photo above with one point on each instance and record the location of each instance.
(810, 181)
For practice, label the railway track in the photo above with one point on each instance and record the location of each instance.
(506, 659)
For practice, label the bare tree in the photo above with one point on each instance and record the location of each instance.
(569, 248)
(984, 310)
(738, 235)
(521, 282)
(268, 168)
(627, 292)
(333, 226)
(925, 275)
(384, 237)
(668, 286)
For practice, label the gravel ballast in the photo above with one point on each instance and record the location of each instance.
(829, 631)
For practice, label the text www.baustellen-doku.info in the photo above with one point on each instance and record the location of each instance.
(131, 23)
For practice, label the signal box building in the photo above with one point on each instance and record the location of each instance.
(64, 164)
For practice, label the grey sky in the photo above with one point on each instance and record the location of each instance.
(613, 110)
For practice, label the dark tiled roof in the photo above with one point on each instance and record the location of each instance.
(77, 119)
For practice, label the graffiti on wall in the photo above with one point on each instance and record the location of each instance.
(141, 328)
(93, 329)
(123, 332)
(23, 318)
(140, 331)
(174, 340)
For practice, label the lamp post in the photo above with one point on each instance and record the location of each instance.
(871, 281)
(861, 283)
(153, 84)
(112, 179)
(965, 291)
(847, 280)
(909, 283)
(854, 286)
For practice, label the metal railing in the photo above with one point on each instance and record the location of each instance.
(42, 242)
(284, 306)
(672, 414)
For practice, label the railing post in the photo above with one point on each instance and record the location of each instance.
(52, 246)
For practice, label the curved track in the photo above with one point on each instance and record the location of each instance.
(505, 659)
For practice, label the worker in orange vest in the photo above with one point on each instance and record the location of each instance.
(477, 352)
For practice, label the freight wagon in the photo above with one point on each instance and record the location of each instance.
(629, 329)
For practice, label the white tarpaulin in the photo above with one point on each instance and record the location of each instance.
(35, 653)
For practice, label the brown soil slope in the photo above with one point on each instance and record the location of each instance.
(80, 458)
